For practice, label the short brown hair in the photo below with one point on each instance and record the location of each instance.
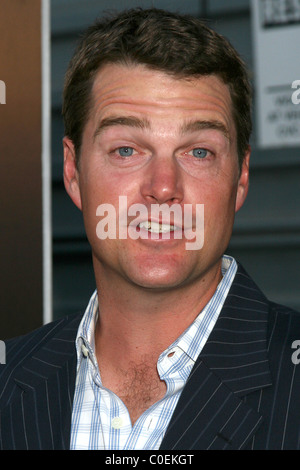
(180, 45)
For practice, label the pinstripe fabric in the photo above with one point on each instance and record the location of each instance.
(248, 353)
(280, 404)
(37, 388)
(243, 391)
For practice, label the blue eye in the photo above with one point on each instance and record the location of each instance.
(199, 153)
(125, 151)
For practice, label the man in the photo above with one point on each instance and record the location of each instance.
(178, 348)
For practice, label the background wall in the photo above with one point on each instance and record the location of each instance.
(266, 238)
(21, 273)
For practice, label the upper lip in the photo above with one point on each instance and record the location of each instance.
(174, 219)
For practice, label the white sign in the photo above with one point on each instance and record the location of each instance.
(276, 37)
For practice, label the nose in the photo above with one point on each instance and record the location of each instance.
(163, 181)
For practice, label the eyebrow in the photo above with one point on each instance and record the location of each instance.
(130, 121)
(143, 123)
(199, 125)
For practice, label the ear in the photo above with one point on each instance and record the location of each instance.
(71, 174)
(243, 184)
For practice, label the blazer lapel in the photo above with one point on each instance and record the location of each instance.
(40, 405)
(211, 412)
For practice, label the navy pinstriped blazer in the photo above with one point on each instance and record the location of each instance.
(243, 392)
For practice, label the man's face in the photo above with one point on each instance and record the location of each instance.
(157, 140)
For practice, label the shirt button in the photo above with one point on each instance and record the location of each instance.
(117, 422)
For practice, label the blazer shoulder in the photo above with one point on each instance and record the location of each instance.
(284, 324)
(278, 311)
(283, 310)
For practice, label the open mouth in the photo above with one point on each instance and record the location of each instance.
(150, 229)
(156, 227)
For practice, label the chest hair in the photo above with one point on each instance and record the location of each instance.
(139, 387)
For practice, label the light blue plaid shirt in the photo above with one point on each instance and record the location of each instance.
(100, 420)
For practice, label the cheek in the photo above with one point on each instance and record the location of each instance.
(100, 205)
(219, 207)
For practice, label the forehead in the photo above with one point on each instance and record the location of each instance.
(159, 96)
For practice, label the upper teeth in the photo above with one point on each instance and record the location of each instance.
(156, 227)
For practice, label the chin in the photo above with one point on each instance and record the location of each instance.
(158, 279)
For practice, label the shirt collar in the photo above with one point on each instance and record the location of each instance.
(85, 339)
(192, 340)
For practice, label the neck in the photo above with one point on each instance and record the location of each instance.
(137, 321)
